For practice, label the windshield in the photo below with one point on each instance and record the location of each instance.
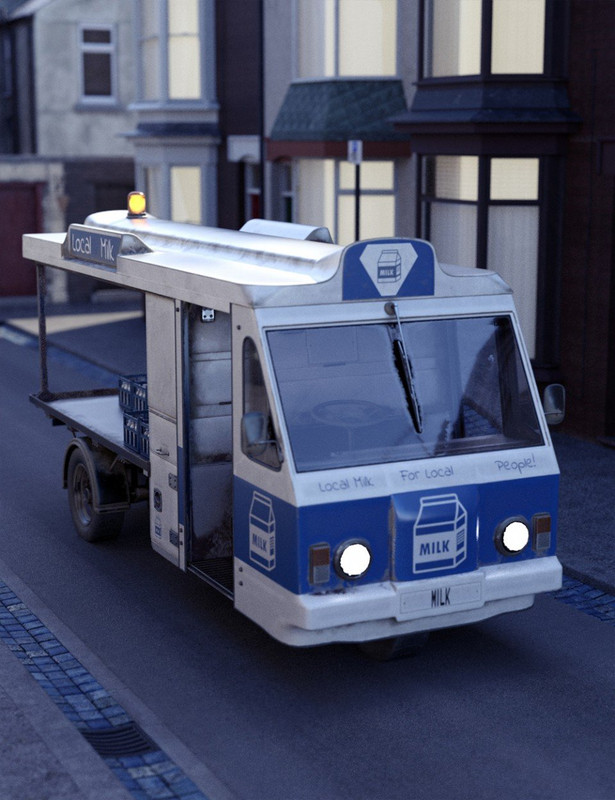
(373, 393)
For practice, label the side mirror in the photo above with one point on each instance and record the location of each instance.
(554, 403)
(254, 433)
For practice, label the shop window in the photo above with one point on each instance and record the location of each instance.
(186, 194)
(485, 212)
(326, 196)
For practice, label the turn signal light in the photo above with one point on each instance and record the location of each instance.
(541, 524)
(320, 560)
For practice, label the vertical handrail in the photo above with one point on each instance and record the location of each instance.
(41, 283)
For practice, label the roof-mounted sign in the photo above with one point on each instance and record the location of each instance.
(98, 246)
(388, 268)
(101, 247)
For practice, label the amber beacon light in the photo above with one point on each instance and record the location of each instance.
(136, 204)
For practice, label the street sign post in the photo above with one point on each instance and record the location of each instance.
(355, 156)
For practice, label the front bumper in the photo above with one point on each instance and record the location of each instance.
(382, 610)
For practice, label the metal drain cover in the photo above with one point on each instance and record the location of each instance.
(123, 740)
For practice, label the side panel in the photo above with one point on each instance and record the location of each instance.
(412, 537)
(163, 331)
(265, 534)
(164, 504)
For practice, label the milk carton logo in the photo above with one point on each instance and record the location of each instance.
(388, 265)
(262, 531)
(440, 534)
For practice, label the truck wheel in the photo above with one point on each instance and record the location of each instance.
(395, 647)
(91, 525)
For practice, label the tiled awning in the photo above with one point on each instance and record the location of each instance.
(318, 117)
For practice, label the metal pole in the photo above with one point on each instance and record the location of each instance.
(41, 281)
(357, 202)
(263, 159)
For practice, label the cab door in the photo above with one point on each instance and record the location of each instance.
(264, 507)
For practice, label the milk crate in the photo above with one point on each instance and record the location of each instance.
(131, 431)
(133, 393)
(136, 433)
(144, 436)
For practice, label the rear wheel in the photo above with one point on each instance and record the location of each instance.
(91, 525)
(395, 647)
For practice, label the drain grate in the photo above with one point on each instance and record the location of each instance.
(123, 740)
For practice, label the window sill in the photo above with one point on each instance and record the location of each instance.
(99, 106)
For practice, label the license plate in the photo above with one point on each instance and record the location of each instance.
(440, 598)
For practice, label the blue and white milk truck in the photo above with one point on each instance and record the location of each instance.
(348, 442)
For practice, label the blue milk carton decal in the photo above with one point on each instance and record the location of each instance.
(389, 266)
(262, 531)
(440, 534)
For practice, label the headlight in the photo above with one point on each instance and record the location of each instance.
(352, 559)
(512, 536)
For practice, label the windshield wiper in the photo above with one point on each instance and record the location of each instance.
(404, 369)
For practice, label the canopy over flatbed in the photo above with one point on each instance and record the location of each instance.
(215, 267)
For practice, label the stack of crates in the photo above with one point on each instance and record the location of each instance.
(133, 402)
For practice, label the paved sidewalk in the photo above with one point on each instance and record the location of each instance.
(586, 531)
(42, 755)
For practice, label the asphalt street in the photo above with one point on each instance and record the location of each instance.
(518, 706)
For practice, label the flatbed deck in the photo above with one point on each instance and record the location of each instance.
(97, 416)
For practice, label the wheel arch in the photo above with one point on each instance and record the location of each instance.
(111, 490)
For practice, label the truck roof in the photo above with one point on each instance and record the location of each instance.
(216, 267)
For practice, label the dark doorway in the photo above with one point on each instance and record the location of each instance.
(20, 212)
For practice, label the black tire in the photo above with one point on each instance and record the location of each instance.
(91, 525)
(395, 647)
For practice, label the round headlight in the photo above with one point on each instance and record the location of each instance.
(352, 559)
(512, 536)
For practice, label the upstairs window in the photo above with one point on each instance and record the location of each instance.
(342, 38)
(184, 47)
(175, 55)
(483, 37)
(98, 81)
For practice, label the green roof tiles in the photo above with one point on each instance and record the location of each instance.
(340, 109)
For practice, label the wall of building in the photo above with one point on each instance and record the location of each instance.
(279, 56)
(64, 124)
(240, 96)
(407, 69)
(588, 278)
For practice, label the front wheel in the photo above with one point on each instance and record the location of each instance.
(395, 647)
(91, 525)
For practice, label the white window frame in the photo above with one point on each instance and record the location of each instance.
(153, 176)
(101, 48)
